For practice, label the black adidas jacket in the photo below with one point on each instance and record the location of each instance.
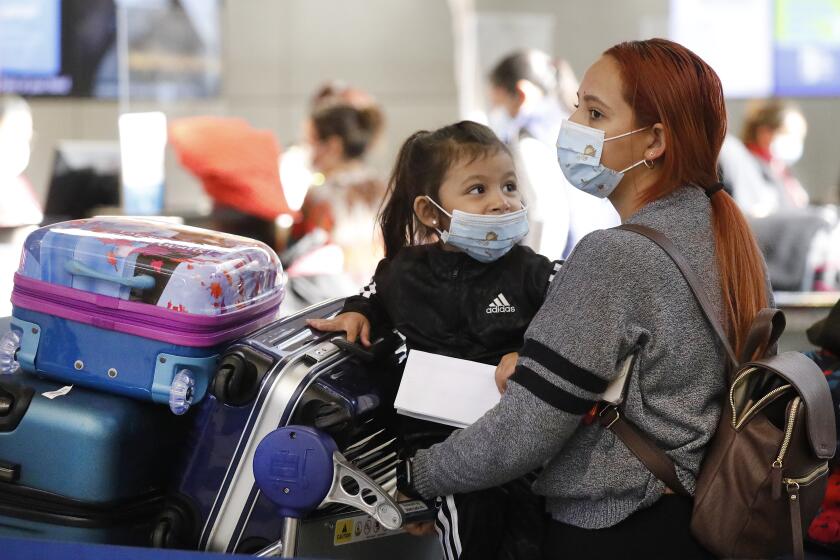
(451, 304)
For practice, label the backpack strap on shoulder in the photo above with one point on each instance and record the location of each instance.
(763, 335)
(691, 278)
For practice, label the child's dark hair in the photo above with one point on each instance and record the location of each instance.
(357, 127)
(421, 167)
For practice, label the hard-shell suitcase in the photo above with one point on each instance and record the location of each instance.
(81, 465)
(286, 374)
(136, 306)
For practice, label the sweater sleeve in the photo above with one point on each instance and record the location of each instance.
(571, 352)
(370, 301)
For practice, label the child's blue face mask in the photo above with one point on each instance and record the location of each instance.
(484, 237)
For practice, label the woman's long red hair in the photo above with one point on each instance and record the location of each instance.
(666, 83)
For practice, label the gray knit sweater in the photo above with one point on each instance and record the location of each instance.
(617, 294)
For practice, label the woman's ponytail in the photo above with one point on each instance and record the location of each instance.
(743, 278)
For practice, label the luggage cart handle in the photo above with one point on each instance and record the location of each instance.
(142, 282)
(300, 469)
(352, 487)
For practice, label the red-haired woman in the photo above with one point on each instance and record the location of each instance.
(646, 134)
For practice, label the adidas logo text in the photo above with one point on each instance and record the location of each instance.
(500, 305)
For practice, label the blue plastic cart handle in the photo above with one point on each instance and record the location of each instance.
(293, 467)
(143, 282)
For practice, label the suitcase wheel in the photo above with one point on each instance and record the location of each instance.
(172, 529)
(235, 382)
(181, 392)
(162, 534)
(9, 345)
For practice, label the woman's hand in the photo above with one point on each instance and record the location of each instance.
(352, 323)
(505, 369)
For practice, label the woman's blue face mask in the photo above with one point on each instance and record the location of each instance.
(579, 150)
(484, 237)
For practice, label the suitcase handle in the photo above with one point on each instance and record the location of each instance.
(380, 347)
(142, 282)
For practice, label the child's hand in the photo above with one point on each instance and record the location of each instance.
(420, 528)
(352, 323)
(505, 369)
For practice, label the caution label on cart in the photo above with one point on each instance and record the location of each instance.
(359, 528)
(343, 531)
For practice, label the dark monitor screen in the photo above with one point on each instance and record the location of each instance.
(85, 176)
(71, 48)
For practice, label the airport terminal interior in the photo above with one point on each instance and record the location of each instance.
(419, 279)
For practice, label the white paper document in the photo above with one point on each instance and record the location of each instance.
(446, 390)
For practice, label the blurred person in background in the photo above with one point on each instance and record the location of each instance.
(799, 242)
(774, 133)
(20, 211)
(530, 95)
(340, 207)
(20, 206)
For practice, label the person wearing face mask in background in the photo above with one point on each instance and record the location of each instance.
(646, 135)
(455, 281)
(774, 133)
(530, 96)
(799, 241)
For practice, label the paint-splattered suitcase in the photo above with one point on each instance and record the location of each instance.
(136, 306)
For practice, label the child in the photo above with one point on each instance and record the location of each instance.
(469, 294)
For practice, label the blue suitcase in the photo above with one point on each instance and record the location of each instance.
(81, 466)
(280, 375)
(135, 306)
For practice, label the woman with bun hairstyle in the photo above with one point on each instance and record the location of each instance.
(341, 129)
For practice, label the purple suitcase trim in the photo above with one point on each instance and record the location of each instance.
(141, 319)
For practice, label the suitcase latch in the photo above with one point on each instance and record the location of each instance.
(321, 352)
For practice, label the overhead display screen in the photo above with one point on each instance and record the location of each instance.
(762, 48)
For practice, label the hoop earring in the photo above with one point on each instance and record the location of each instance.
(649, 163)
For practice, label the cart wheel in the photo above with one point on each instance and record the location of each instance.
(172, 529)
(162, 536)
(181, 392)
(9, 345)
(235, 381)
